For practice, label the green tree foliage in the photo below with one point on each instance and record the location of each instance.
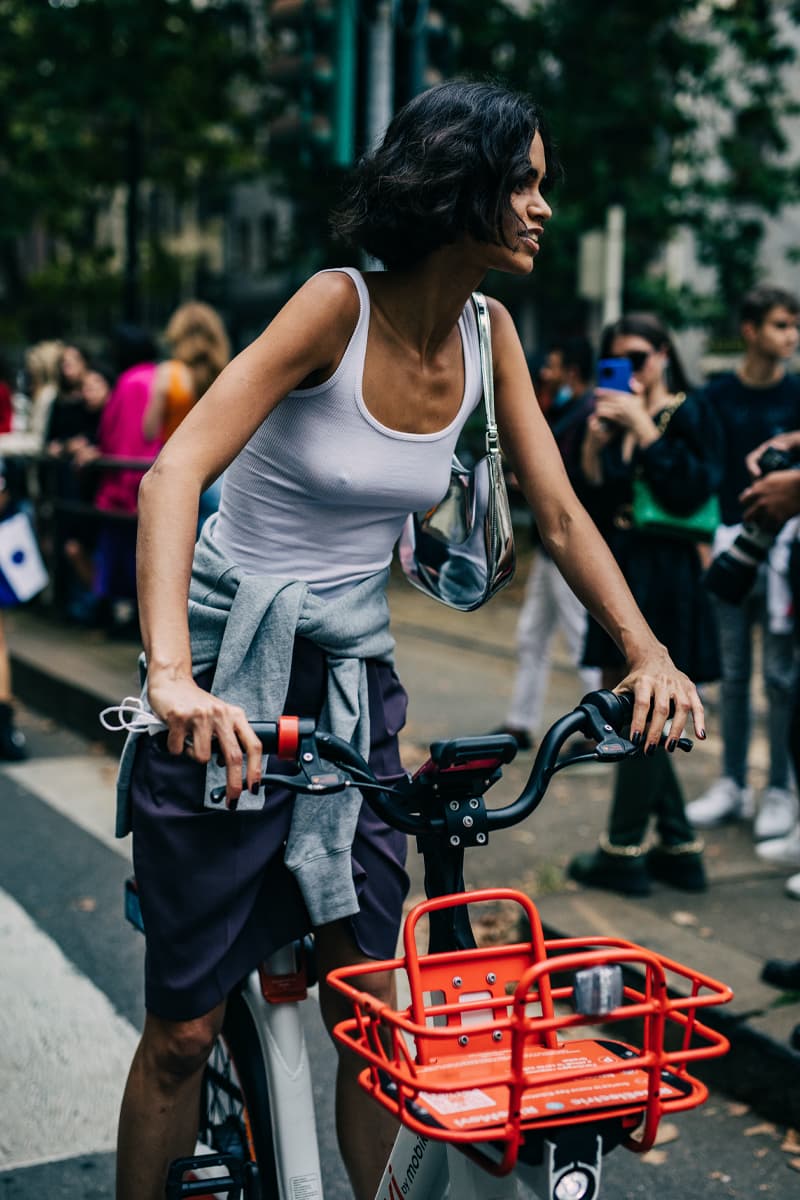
(100, 94)
(671, 108)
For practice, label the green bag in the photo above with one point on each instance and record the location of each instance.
(648, 513)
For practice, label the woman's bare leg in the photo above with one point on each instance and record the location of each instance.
(158, 1120)
(366, 1131)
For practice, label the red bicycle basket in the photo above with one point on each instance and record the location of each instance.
(490, 1045)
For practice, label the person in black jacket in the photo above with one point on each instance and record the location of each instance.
(672, 441)
(770, 501)
(753, 404)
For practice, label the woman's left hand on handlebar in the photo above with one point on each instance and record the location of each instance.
(661, 691)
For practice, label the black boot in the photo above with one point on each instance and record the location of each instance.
(12, 740)
(679, 866)
(782, 973)
(618, 863)
(615, 868)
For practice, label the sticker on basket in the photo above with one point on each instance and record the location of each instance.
(624, 1089)
(447, 1103)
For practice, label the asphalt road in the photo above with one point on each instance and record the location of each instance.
(71, 994)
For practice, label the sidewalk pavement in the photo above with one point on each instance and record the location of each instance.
(744, 918)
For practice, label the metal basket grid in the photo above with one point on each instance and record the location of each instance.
(479, 1054)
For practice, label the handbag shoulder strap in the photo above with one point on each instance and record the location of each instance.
(669, 412)
(487, 374)
(663, 421)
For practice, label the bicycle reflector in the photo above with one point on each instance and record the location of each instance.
(574, 1185)
(490, 1052)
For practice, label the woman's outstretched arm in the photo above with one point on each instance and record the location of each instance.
(578, 549)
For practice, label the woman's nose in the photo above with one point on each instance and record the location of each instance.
(541, 208)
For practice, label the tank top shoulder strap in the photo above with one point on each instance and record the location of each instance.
(353, 358)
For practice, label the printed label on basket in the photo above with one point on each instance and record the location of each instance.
(547, 1098)
(446, 1103)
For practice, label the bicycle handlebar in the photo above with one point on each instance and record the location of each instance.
(415, 805)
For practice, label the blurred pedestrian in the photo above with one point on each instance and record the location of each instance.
(79, 546)
(120, 434)
(42, 370)
(753, 404)
(659, 434)
(199, 349)
(67, 416)
(771, 501)
(550, 604)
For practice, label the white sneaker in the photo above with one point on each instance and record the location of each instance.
(724, 801)
(777, 814)
(792, 887)
(781, 851)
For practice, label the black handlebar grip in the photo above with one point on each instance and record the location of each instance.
(614, 707)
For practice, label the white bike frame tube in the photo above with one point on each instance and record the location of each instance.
(422, 1169)
(283, 1045)
(418, 1167)
(416, 1170)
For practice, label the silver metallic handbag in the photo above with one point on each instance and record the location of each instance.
(461, 551)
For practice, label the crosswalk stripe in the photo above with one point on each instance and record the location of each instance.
(80, 787)
(65, 1050)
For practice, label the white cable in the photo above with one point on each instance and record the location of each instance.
(131, 716)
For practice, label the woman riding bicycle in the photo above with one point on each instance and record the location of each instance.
(338, 421)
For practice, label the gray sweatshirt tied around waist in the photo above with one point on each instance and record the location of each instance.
(246, 625)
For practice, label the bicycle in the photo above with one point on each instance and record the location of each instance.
(501, 1068)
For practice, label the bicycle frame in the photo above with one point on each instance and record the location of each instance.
(283, 1045)
(490, 1096)
(419, 1168)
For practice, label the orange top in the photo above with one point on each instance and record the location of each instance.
(178, 401)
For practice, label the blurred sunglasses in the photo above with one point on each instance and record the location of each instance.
(637, 358)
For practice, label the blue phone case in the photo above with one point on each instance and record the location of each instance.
(614, 373)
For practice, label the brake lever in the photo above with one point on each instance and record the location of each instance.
(614, 747)
(318, 779)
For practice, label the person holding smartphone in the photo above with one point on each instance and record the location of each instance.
(644, 424)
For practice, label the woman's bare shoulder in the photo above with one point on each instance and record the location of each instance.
(502, 321)
(332, 295)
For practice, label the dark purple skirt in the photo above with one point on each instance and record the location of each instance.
(216, 896)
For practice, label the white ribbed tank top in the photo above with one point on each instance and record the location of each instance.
(322, 489)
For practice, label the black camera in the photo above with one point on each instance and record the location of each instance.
(732, 573)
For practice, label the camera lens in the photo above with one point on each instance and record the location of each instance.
(732, 573)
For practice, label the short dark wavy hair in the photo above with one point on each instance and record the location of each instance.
(448, 165)
(756, 304)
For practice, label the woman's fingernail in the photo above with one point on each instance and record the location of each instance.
(636, 737)
(650, 751)
(254, 788)
(701, 733)
(671, 744)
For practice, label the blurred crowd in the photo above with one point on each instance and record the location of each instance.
(675, 474)
(78, 430)
(696, 488)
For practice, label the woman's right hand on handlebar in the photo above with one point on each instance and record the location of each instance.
(195, 719)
